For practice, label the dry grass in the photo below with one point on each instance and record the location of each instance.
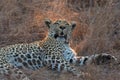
(97, 31)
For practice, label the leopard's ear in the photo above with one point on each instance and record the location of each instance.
(48, 22)
(73, 24)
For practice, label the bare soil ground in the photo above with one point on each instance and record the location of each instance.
(97, 31)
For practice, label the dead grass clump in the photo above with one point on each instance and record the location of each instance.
(103, 29)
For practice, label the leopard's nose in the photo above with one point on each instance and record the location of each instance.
(61, 33)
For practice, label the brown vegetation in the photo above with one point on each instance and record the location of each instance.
(97, 31)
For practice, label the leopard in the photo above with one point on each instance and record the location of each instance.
(53, 51)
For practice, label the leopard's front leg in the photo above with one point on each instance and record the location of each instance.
(96, 59)
(72, 69)
(59, 63)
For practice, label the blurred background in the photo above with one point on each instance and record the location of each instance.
(97, 31)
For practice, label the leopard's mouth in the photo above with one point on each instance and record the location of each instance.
(61, 37)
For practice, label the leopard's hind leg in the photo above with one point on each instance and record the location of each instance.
(11, 72)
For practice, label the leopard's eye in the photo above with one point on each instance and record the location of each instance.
(66, 24)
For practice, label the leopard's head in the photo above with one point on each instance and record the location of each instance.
(60, 30)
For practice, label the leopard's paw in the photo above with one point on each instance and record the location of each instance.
(104, 58)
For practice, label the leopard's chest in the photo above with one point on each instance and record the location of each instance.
(54, 48)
